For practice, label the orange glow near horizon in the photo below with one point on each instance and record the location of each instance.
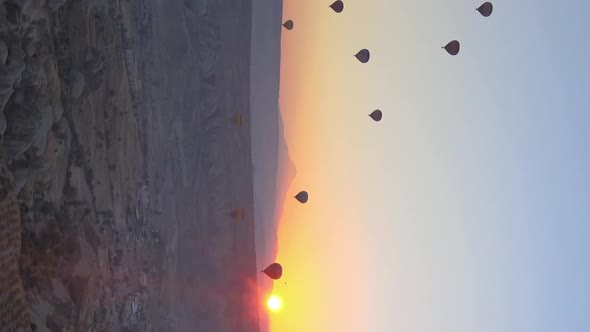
(318, 267)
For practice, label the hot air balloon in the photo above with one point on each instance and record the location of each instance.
(238, 119)
(485, 9)
(376, 115)
(237, 214)
(288, 25)
(302, 197)
(274, 271)
(452, 47)
(337, 6)
(363, 55)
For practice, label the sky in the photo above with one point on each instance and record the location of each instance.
(467, 207)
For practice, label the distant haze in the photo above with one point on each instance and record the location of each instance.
(269, 149)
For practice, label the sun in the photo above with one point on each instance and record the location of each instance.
(274, 303)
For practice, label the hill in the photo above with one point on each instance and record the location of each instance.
(273, 168)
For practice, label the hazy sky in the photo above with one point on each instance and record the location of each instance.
(467, 207)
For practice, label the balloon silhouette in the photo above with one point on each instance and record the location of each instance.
(302, 197)
(274, 271)
(376, 115)
(363, 55)
(485, 9)
(337, 6)
(288, 25)
(238, 120)
(237, 214)
(452, 47)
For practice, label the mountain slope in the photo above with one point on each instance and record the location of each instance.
(273, 169)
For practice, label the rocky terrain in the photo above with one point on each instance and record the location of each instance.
(125, 147)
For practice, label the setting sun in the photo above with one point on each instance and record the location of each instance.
(274, 303)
